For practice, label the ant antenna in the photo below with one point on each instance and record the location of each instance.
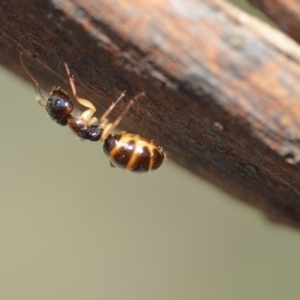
(31, 77)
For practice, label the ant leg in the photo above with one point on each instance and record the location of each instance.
(109, 127)
(111, 164)
(108, 111)
(92, 121)
(87, 115)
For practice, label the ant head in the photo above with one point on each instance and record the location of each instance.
(59, 106)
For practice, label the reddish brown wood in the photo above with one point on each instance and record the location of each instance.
(285, 13)
(222, 89)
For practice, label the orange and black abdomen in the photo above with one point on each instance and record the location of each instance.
(133, 153)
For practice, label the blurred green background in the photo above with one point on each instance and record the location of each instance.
(71, 227)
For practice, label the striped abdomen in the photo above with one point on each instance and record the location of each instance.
(133, 153)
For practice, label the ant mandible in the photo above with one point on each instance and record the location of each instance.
(124, 150)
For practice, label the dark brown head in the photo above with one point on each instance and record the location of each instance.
(59, 106)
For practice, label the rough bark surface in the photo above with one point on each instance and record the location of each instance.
(222, 89)
(285, 13)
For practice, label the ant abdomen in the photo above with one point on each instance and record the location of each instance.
(59, 106)
(133, 153)
(88, 132)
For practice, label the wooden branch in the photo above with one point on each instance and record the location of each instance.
(285, 13)
(222, 89)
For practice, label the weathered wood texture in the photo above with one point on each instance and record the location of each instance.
(222, 89)
(285, 13)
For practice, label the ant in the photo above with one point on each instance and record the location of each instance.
(124, 150)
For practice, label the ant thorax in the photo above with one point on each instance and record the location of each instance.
(83, 130)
